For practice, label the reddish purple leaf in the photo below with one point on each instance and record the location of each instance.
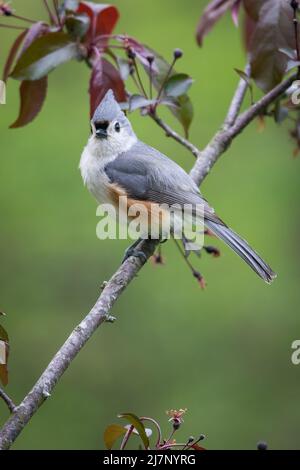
(142, 52)
(253, 8)
(4, 352)
(32, 96)
(274, 31)
(211, 14)
(105, 76)
(235, 10)
(103, 18)
(248, 31)
(12, 55)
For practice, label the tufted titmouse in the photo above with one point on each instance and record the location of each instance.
(116, 163)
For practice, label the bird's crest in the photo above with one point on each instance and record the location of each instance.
(108, 108)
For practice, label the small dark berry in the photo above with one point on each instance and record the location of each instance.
(295, 4)
(211, 250)
(130, 53)
(150, 59)
(177, 53)
(176, 424)
(262, 445)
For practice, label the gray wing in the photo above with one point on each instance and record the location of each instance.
(147, 174)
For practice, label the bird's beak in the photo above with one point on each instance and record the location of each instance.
(101, 133)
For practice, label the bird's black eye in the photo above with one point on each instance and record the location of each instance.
(117, 127)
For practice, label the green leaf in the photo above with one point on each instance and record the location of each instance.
(77, 25)
(112, 433)
(43, 55)
(177, 85)
(124, 68)
(139, 101)
(139, 426)
(184, 112)
(182, 108)
(247, 79)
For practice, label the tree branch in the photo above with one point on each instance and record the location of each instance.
(171, 133)
(10, 404)
(129, 269)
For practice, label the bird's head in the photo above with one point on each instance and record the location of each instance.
(111, 130)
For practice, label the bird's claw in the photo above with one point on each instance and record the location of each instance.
(133, 251)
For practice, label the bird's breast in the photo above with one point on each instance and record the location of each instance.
(94, 176)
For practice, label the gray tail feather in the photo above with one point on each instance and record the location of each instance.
(242, 248)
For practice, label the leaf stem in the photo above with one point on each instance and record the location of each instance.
(189, 264)
(166, 78)
(55, 4)
(126, 437)
(151, 420)
(23, 18)
(51, 16)
(138, 76)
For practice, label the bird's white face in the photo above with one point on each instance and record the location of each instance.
(109, 139)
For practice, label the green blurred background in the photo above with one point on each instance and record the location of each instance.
(224, 353)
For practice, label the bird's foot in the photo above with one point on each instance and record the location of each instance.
(135, 252)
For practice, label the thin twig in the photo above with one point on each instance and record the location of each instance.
(153, 421)
(171, 133)
(51, 16)
(126, 437)
(55, 4)
(140, 81)
(10, 404)
(166, 78)
(12, 26)
(23, 18)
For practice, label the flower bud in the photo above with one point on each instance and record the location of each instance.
(177, 54)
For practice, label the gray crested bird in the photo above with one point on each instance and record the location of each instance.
(116, 163)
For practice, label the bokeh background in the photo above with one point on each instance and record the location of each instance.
(224, 353)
